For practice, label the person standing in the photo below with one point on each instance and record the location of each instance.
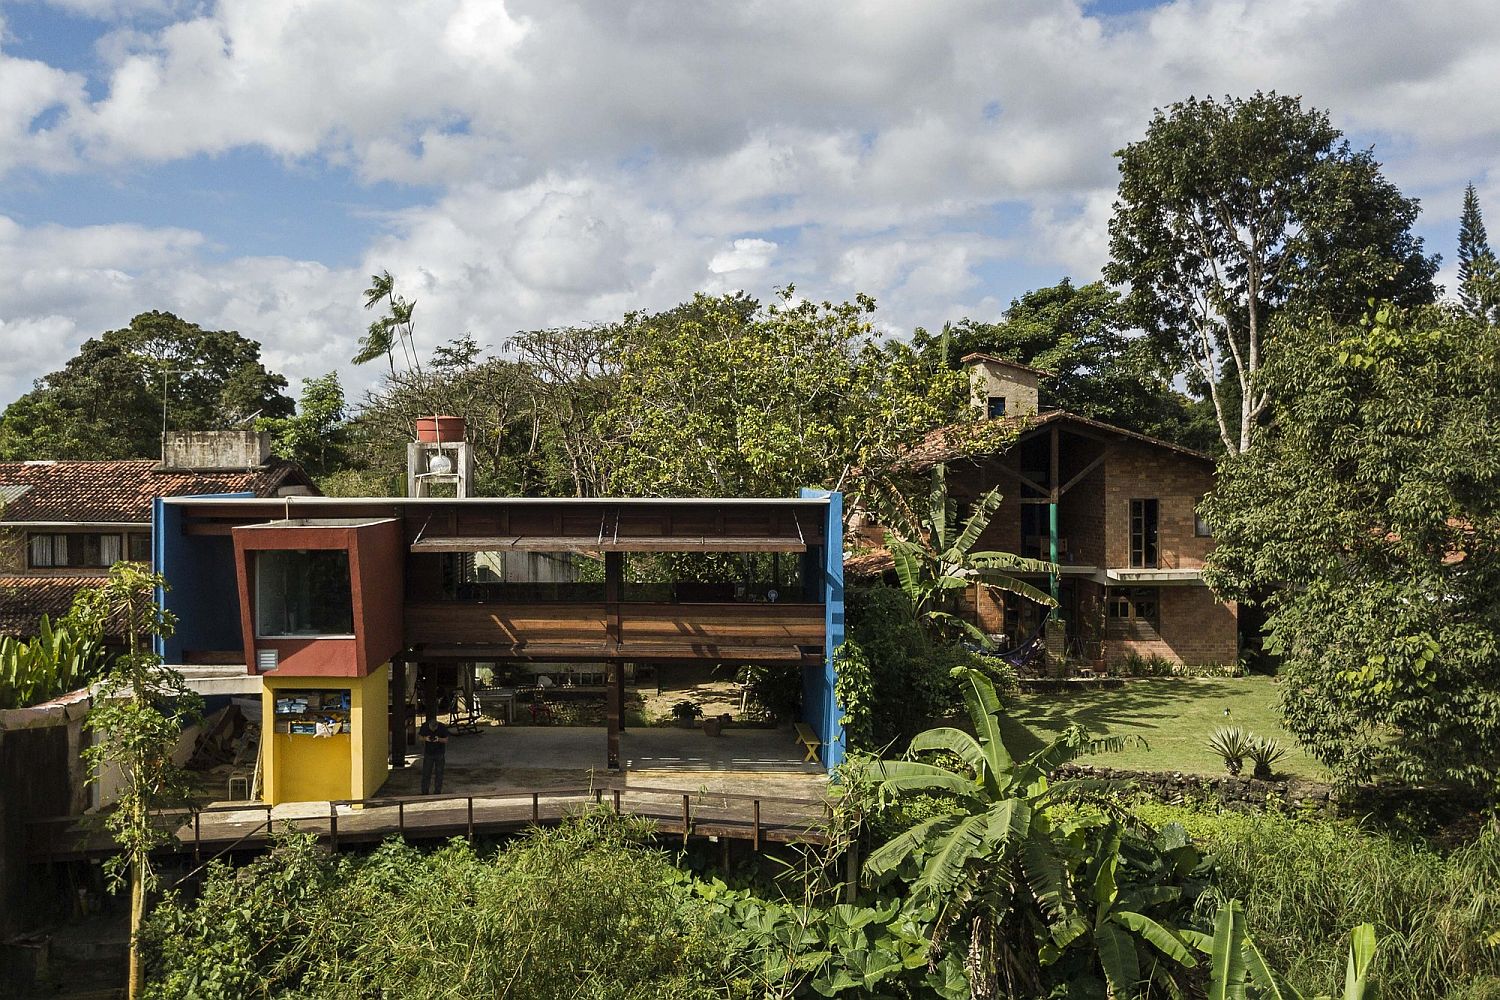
(434, 737)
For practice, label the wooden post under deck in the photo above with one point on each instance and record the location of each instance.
(398, 713)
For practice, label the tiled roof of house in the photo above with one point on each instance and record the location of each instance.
(981, 356)
(122, 491)
(869, 564)
(24, 599)
(946, 444)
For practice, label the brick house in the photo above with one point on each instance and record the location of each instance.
(1116, 510)
(64, 523)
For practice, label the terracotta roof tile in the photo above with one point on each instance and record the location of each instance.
(947, 444)
(24, 599)
(122, 491)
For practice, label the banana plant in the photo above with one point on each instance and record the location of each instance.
(995, 857)
(1240, 970)
(939, 562)
(53, 662)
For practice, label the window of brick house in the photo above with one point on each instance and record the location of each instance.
(139, 544)
(78, 550)
(1143, 534)
(1135, 604)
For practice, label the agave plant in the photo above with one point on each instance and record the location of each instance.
(939, 564)
(1264, 754)
(1232, 744)
(1033, 886)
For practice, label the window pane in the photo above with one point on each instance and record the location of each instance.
(523, 577)
(140, 548)
(109, 549)
(1143, 533)
(41, 551)
(303, 593)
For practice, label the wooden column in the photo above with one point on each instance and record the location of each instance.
(398, 713)
(614, 577)
(1052, 484)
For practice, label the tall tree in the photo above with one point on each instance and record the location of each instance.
(1477, 266)
(1098, 370)
(724, 396)
(394, 328)
(317, 434)
(1370, 514)
(1231, 213)
(138, 715)
(107, 402)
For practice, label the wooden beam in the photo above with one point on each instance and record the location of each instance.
(591, 543)
(1024, 480)
(1086, 470)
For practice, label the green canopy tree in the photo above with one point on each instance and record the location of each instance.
(1369, 515)
(1078, 333)
(106, 402)
(1231, 213)
(317, 434)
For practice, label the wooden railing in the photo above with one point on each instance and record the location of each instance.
(675, 811)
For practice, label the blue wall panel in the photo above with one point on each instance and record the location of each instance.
(820, 707)
(203, 591)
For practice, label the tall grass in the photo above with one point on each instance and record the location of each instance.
(1306, 882)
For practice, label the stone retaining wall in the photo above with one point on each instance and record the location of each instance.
(1176, 786)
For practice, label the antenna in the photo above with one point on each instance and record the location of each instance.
(164, 373)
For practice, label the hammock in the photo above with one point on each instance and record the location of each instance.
(1023, 653)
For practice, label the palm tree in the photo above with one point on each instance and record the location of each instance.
(1032, 887)
(939, 563)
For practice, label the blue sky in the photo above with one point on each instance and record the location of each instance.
(247, 163)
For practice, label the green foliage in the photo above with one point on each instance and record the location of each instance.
(1232, 212)
(724, 396)
(1305, 881)
(582, 911)
(1369, 515)
(776, 691)
(1077, 334)
(936, 562)
(894, 678)
(392, 329)
(51, 663)
(106, 402)
(1052, 900)
(317, 434)
(1240, 970)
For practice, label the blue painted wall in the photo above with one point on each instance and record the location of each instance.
(820, 707)
(203, 589)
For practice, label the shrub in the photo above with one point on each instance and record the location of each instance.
(1265, 753)
(1305, 882)
(581, 911)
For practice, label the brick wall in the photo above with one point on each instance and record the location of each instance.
(1140, 472)
(1194, 628)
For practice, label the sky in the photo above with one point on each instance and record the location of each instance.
(247, 164)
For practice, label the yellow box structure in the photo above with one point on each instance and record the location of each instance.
(324, 737)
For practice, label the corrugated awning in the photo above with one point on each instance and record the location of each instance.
(595, 543)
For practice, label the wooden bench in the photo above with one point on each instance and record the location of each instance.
(808, 739)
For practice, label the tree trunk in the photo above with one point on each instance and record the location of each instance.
(984, 982)
(137, 915)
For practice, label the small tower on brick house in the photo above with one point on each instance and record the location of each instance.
(439, 459)
(1002, 388)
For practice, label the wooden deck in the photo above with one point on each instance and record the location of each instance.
(677, 813)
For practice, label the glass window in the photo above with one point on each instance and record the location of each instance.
(84, 550)
(522, 577)
(1200, 523)
(1143, 534)
(714, 577)
(140, 547)
(303, 592)
(996, 407)
(1134, 604)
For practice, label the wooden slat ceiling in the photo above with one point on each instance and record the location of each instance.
(595, 543)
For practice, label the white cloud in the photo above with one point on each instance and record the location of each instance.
(592, 158)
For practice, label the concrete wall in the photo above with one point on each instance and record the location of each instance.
(370, 714)
(41, 776)
(202, 593)
(216, 449)
(1018, 386)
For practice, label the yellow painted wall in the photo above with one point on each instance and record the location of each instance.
(369, 720)
(351, 765)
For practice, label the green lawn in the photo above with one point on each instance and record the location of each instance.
(1175, 717)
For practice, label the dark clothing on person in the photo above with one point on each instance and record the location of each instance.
(434, 755)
